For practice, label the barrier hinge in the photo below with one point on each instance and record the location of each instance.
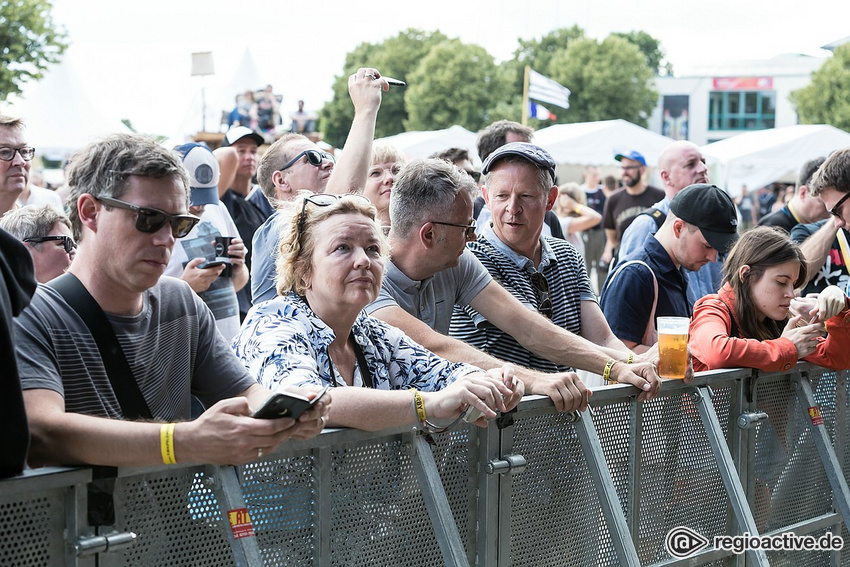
(507, 464)
(92, 545)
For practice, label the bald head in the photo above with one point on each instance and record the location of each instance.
(681, 164)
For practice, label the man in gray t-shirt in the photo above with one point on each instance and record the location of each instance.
(431, 270)
(128, 198)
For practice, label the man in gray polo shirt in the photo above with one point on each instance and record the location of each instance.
(431, 270)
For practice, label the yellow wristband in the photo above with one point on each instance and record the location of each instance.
(166, 443)
(419, 406)
(606, 374)
(630, 359)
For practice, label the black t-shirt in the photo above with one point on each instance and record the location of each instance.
(17, 284)
(247, 217)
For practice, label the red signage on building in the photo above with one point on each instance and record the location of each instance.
(742, 83)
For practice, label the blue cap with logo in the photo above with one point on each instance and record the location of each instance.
(203, 170)
(632, 155)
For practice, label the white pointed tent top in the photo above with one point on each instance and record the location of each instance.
(596, 143)
(416, 145)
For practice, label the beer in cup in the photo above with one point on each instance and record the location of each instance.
(673, 347)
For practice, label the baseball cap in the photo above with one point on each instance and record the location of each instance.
(632, 155)
(203, 170)
(535, 154)
(235, 134)
(710, 209)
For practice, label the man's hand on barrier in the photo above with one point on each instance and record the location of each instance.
(641, 374)
(226, 434)
(565, 389)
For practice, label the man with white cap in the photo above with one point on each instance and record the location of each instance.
(195, 257)
(246, 203)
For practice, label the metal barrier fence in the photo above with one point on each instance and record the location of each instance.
(536, 488)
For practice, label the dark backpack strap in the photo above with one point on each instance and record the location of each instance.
(118, 371)
(733, 332)
(658, 216)
(361, 362)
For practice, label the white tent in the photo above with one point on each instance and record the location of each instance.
(596, 143)
(60, 115)
(417, 145)
(756, 159)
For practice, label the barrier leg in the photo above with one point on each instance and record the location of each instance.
(437, 504)
(620, 535)
(240, 531)
(840, 491)
(726, 467)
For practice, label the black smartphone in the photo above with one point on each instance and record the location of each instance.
(287, 405)
(212, 264)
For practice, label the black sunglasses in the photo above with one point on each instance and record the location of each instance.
(539, 282)
(314, 157)
(151, 220)
(836, 209)
(67, 242)
(469, 231)
(475, 175)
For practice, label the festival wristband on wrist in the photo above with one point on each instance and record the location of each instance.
(606, 374)
(166, 443)
(630, 359)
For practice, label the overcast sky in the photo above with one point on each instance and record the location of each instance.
(134, 59)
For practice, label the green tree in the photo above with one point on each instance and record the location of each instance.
(397, 57)
(608, 80)
(824, 100)
(29, 43)
(455, 83)
(651, 48)
(538, 54)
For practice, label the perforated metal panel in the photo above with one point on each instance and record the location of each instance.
(791, 485)
(456, 455)
(379, 516)
(281, 499)
(31, 529)
(175, 517)
(556, 517)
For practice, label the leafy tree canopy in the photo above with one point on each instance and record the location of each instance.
(824, 100)
(29, 43)
(651, 48)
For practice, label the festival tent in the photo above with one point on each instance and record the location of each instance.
(596, 143)
(756, 159)
(59, 113)
(422, 144)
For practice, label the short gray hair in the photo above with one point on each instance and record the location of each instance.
(32, 221)
(275, 158)
(103, 169)
(424, 190)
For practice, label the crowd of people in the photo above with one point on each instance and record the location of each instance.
(260, 112)
(147, 317)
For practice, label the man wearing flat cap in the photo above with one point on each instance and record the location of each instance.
(702, 222)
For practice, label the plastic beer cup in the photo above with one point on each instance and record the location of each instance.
(673, 347)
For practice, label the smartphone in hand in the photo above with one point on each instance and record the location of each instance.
(287, 404)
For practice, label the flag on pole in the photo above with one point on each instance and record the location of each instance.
(539, 111)
(545, 89)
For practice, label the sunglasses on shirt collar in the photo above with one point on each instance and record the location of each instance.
(151, 220)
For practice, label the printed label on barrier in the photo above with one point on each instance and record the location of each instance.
(814, 415)
(240, 523)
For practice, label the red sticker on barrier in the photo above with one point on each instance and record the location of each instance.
(814, 415)
(240, 523)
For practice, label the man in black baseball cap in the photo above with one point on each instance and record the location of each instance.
(701, 224)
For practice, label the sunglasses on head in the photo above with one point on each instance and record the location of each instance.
(314, 157)
(151, 220)
(67, 242)
(539, 282)
(326, 200)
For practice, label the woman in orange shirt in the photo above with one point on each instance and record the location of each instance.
(747, 324)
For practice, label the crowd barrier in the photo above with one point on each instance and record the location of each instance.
(735, 452)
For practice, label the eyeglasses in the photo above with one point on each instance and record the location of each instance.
(836, 210)
(67, 242)
(539, 282)
(8, 154)
(326, 200)
(475, 175)
(151, 220)
(314, 157)
(469, 231)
